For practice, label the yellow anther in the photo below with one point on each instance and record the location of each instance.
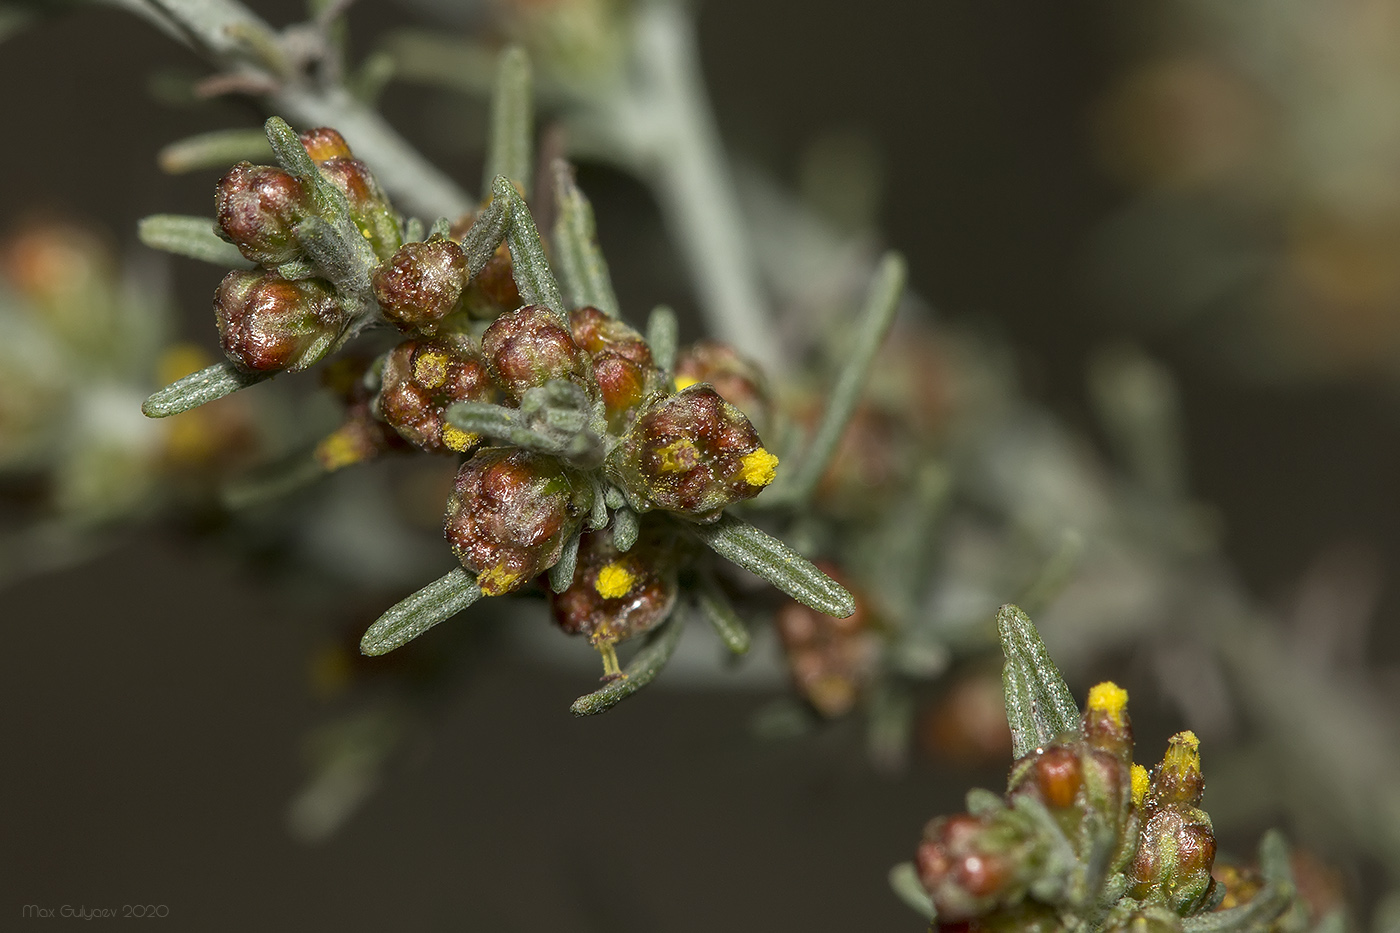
(614, 581)
(685, 382)
(454, 438)
(758, 468)
(679, 456)
(338, 451)
(178, 361)
(1140, 782)
(1109, 698)
(497, 580)
(430, 369)
(1183, 754)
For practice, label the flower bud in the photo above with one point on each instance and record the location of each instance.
(421, 283)
(369, 206)
(267, 322)
(622, 364)
(971, 865)
(257, 206)
(832, 660)
(1176, 849)
(1106, 722)
(420, 379)
(616, 596)
(509, 515)
(1053, 775)
(528, 347)
(737, 379)
(324, 144)
(692, 453)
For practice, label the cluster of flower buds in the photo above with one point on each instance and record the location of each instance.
(621, 360)
(1077, 814)
(832, 660)
(279, 318)
(617, 596)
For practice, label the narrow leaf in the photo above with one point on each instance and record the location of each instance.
(760, 553)
(663, 336)
(288, 150)
(581, 265)
(876, 317)
(904, 881)
(533, 277)
(717, 609)
(647, 663)
(193, 237)
(561, 575)
(510, 148)
(218, 149)
(487, 232)
(1039, 706)
(406, 620)
(213, 382)
(625, 529)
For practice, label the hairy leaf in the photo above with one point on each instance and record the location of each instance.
(647, 663)
(760, 553)
(193, 237)
(210, 383)
(406, 620)
(1039, 706)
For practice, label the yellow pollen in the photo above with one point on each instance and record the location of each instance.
(685, 382)
(338, 451)
(430, 369)
(1140, 782)
(1183, 753)
(678, 456)
(179, 361)
(497, 580)
(454, 438)
(614, 581)
(1109, 698)
(759, 468)
(366, 234)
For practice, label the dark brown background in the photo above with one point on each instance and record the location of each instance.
(150, 753)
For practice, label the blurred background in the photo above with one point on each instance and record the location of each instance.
(1218, 185)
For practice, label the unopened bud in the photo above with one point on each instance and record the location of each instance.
(324, 144)
(420, 379)
(622, 364)
(257, 206)
(617, 596)
(970, 865)
(737, 379)
(509, 516)
(1176, 849)
(693, 453)
(421, 283)
(267, 322)
(528, 347)
(369, 206)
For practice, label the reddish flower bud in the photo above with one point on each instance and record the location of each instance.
(421, 283)
(420, 379)
(832, 660)
(967, 868)
(369, 206)
(528, 347)
(324, 144)
(616, 596)
(622, 364)
(267, 322)
(692, 453)
(1176, 849)
(738, 379)
(257, 206)
(509, 516)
